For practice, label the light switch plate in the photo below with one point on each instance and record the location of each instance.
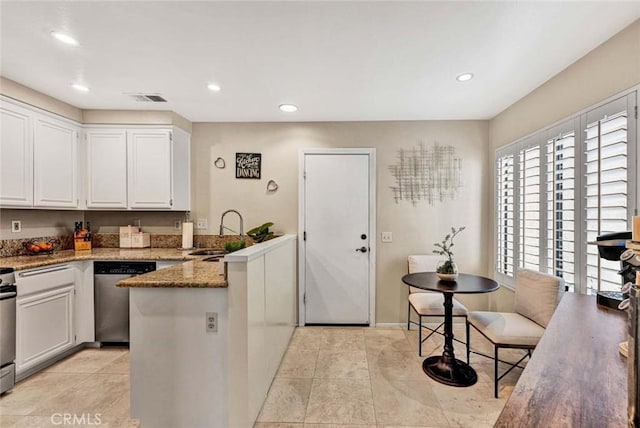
(387, 237)
(202, 223)
(16, 226)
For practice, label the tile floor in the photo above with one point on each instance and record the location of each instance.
(92, 384)
(329, 378)
(372, 377)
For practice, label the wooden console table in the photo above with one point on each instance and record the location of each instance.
(576, 377)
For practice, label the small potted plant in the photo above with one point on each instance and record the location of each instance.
(447, 269)
(261, 233)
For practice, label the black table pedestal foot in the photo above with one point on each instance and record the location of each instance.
(455, 373)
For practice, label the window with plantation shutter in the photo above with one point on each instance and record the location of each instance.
(529, 213)
(505, 215)
(607, 193)
(560, 204)
(562, 187)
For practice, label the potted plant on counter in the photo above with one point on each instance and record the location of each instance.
(261, 233)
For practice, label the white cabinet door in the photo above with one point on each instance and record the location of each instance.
(181, 172)
(150, 169)
(44, 314)
(44, 323)
(84, 303)
(55, 163)
(107, 169)
(16, 156)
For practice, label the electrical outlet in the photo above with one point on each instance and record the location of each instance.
(387, 237)
(176, 225)
(212, 322)
(16, 226)
(202, 223)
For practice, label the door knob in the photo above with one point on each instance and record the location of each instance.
(362, 249)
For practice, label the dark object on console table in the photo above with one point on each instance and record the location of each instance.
(610, 299)
(582, 383)
(610, 247)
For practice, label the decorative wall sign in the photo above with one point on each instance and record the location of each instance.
(248, 165)
(427, 174)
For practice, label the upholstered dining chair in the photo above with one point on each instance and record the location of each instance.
(428, 303)
(537, 295)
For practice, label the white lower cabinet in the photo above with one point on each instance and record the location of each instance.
(44, 314)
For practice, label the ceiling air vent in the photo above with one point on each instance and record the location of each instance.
(148, 98)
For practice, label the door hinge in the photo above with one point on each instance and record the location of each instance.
(170, 202)
(636, 111)
(304, 236)
(304, 298)
(170, 136)
(304, 174)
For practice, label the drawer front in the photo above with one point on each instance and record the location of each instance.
(42, 279)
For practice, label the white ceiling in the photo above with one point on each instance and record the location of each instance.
(338, 61)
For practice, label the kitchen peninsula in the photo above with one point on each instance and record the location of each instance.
(204, 350)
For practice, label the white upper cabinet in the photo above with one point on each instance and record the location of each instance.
(106, 168)
(142, 168)
(150, 169)
(16, 156)
(55, 153)
(43, 165)
(38, 158)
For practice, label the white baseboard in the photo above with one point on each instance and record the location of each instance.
(391, 324)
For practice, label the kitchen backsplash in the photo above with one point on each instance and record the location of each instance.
(15, 247)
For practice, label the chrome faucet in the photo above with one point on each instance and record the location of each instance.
(223, 227)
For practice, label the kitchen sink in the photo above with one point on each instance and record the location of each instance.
(213, 259)
(207, 252)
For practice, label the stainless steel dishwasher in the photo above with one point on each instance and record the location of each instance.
(111, 302)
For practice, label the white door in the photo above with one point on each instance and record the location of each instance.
(150, 169)
(337, 235)
(107, 168)
(55, 163)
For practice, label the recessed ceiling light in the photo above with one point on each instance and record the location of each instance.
(213, 87)
(464, 77)
(80, 87)
(288, 108)
(64, 38)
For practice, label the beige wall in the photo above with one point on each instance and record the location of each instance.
(415, 229)
(38, 99)
(605, 71)
(32, 97)
(608, 70)
(36, 223)
(135, 117)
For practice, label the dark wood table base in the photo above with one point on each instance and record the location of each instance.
(446, 368)
(454, 373)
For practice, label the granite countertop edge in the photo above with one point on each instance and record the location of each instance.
(198, 274)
